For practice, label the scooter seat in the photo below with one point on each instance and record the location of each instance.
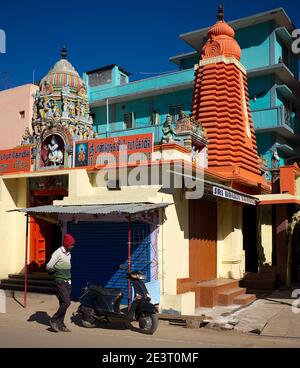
(104, 291)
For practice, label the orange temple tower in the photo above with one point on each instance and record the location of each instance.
(221, 104)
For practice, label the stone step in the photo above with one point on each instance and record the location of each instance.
(226, 298)
(260, 276)
(268, 270)
(32, 276)
(33, 282)
(245, 299)
(209, 291)
(30, 288)
(259, 284)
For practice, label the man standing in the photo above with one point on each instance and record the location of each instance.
(60, 266)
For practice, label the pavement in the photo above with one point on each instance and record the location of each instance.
(30, 328)
(274, 315)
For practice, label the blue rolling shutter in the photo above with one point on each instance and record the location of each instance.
(101, 247)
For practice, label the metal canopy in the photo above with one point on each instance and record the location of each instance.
(100, 209)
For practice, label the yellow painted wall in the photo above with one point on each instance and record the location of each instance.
(173, 245)
(12, 225)
(231, 256)
(173, 239)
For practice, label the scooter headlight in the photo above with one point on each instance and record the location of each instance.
(141, 276)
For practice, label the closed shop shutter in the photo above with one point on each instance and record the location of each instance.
(101, 247)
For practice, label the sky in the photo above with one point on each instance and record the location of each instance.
(138, 35)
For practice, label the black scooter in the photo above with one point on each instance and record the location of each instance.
(99, 304)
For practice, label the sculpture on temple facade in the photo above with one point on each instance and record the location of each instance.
(60, 102)
(169, 134)
(26, 137)
(55, 155)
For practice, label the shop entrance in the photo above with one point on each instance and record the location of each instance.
(45, 237)
(45, 233)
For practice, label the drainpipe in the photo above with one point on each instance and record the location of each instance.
(26, 264)
(107, 118)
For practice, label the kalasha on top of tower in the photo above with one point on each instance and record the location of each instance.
(63, 74)
(221, 41)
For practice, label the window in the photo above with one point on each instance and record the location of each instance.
(174, 112)
(129, 120)
(22, 114)
(155, 118)
(99, 78)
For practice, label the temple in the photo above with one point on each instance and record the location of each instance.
(221, 104)
(60, 114)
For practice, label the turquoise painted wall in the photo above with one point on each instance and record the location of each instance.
(145, 85)
(143, 109)
(255, 44)
(261, 88)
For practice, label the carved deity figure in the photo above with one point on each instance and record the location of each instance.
(45, 107)
(26, 137)
(169, 134)
(56, 110)
(72, 110)
(55, 155)
(65, 107)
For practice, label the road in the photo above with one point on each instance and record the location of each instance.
(29, 328)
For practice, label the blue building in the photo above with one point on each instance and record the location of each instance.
(120, 106)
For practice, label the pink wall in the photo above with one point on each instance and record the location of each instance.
(12, 102)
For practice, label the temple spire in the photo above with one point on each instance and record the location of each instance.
(220, 14)
(64, 53)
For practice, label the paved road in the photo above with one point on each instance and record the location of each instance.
(29, 328)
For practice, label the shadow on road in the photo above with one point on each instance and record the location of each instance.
(40, 317)
(104, 325)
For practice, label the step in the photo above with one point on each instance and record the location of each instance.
(268, 270)
(37, 289)
(19, 281)
(259, 284)
(226, 297)
(33, 296)
(245, 299)
(32, 276)
(209, 291)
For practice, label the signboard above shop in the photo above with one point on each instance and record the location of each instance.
(115, 150)
(15, 160)
(233, 196)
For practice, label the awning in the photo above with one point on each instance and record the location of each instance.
(100, 209)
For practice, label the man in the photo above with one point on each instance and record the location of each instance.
(60, 266)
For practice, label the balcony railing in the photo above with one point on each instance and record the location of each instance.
(276, 117)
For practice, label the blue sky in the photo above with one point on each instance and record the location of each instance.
(138, 35)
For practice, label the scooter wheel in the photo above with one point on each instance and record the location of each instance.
(148, 323)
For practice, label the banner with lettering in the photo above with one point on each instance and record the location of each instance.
(115, 150)
(15, 160)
